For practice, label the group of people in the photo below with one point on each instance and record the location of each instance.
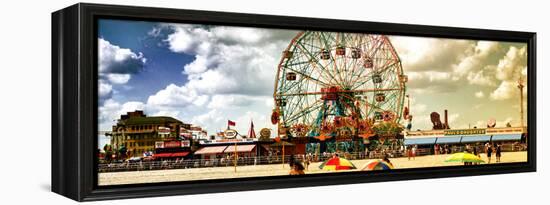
(442, 149)
(411, 152)
(490, 149)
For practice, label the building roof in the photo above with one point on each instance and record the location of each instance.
(240, 148)
(211, 150)
(149, 120)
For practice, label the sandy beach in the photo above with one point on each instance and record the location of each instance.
(132, 177)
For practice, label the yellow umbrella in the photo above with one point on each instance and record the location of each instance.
(463, 157)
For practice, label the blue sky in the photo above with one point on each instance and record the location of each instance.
(205, 75)
(163, 66)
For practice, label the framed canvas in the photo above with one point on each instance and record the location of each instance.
(155, 101)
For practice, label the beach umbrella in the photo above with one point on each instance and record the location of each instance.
(376, 165)
(463, 157)
(337, 164)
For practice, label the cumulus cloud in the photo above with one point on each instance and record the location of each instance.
(115, 66)
(439, 65)
(430, 54)
(482, 77)
(476, 59)
(512, 65)
(176, 96)
(228, 60)
(114, 59)
(118, 78)
(105, 91)
(504, 91)
(446, 65)
(509, 70)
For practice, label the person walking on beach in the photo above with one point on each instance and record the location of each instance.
(489, 152)
(409, 152)
(476, 153)
(296, 168)
(307, 160)
(498, 152)
(414, 152)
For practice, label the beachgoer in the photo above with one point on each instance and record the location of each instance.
(498, 152)
(489, 152)
(297, 168)
(414, 152)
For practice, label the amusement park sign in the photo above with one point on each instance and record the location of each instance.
(172, 144)
(230, 133)
(465, 132)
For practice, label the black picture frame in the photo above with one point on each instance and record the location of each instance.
(74, 101)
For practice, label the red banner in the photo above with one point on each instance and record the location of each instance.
(172, 144)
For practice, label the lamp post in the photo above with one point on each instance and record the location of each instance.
(520, 87)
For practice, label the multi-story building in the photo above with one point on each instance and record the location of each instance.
(138, 132)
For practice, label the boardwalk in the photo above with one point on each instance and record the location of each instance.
(114, 178)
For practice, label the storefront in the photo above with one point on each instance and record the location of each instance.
(211, 152)
(248, 150)
(508, 137)
(172, 149)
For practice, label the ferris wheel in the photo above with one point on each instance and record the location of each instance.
(333, 84)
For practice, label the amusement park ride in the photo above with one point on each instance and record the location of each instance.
(332, 86)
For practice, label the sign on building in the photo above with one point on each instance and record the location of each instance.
(163, 130)
(465, 132)
(230, 133)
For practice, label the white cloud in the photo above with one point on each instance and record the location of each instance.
(176, 96)
(482, 77)
(512, 65)
(505, 90)
(480, 94)
(510, 68)
(475, 60)
(430, 54)
(113, 59)
(118, 78)
(105, 90)
(115, 66)
(206, 120)
(229, 60)
(439, 65)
